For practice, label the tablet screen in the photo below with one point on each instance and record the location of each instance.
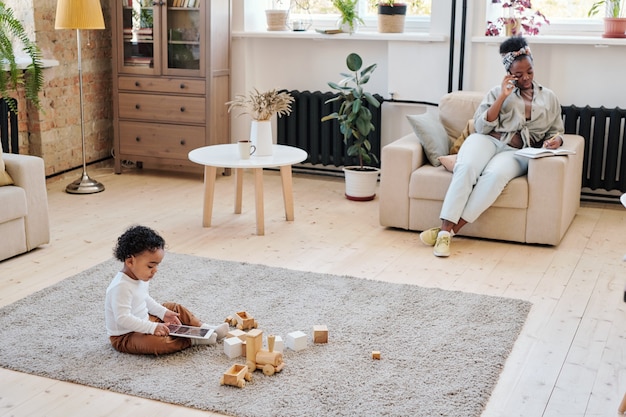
(188, 331)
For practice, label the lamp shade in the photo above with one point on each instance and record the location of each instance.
(79, 14)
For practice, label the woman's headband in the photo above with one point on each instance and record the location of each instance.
(509, 57)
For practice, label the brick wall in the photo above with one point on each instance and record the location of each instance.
(54, 133)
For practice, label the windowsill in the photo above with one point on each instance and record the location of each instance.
(594, 40)
(358, 36)
(24, 62)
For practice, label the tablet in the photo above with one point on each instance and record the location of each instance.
(192, 332)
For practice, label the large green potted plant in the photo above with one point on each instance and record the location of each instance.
(12, 75)
(349, 20)
(614, 20)
(355, 125)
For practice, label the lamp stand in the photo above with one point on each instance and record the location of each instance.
(85, 184)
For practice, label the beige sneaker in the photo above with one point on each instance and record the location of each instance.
(442, 246)
(429, 237)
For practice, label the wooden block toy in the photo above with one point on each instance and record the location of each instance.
(233, 347)
(245, 321)
(257, 358)
(296, 340)
(236, 375)
(236, 333)
(320, 334)
(375, 354)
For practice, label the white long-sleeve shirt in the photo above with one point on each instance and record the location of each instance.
(127, 306)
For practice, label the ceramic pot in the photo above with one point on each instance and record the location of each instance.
(614, 27)
(361, 183)
(261, 137)
(391, 18)
(277, 19)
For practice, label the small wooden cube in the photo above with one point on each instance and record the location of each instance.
(236, 333)
(375, 354)
(320, 334)
(279, 344)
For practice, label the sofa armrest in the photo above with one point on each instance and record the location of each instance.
(554, 186)
(28, 172)
(398, 161)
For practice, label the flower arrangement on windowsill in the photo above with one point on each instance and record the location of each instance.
(521, 19)
(262, 106)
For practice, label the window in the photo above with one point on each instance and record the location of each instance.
(366, 7)
(565, 9)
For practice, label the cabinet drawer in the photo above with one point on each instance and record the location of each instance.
(162, 85)
(160, 140)
(160, 108)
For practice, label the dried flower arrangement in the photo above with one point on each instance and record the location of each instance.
(262, 106)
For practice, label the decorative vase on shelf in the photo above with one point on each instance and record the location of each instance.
(261, 137)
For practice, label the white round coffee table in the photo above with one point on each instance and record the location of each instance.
(227, 156)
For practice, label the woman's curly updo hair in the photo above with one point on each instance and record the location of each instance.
(135, 240)
(512, 49)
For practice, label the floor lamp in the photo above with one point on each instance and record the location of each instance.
(80, 14)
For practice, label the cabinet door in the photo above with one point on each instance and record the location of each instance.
(184, 41)
(138, 37)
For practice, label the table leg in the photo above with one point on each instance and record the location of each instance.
(258, 189)
(209, 192)
(238, 189)
(285, 175)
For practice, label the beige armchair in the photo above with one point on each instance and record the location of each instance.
(536, 208)
(24, 223)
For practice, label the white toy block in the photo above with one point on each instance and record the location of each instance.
(279, 344)
(233, 347)
(296, 340)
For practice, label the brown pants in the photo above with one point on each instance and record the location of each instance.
(149, 344)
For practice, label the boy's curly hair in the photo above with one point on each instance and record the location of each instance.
(135, 240)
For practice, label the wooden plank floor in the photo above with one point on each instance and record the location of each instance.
(568, 362)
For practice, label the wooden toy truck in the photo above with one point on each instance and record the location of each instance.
(237, 375)
(242, 320)
(258, 358)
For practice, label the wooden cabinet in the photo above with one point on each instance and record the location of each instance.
(171, 79)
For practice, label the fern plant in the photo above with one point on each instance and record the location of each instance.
(348, 11)
(11, 76)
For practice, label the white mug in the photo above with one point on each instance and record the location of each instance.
(246, 148)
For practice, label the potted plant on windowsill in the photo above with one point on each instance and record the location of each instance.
(520, 19)
(11, 75)
(262, 107)
(391, 16)
(614, 20)
(277, 16)
(355, 124)
(349, 20)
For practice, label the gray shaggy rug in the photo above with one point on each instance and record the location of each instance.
(442, 351)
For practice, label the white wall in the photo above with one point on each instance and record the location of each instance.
(580, 74)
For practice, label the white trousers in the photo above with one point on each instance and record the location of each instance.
(484, 166)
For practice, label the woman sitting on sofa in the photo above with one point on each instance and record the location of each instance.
(516, 114)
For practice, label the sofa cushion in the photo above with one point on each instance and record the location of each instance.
(5, 178)
(456, 108)
(431, 135)
(13, 203)
(448, 162)
(431, 183)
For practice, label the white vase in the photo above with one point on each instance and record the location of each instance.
(361, 184)
(261, 137)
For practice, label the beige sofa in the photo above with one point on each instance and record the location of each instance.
(24, 223)
(536, 208)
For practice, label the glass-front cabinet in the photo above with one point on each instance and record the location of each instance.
(162, 37)
(171, 79)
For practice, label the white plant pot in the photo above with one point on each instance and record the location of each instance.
(361, 185)
(261, 137)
